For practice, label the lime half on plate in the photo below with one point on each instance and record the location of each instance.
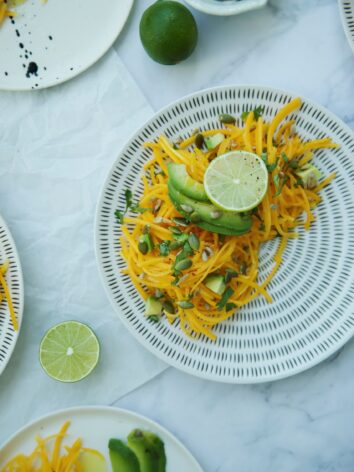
(69, 351)
(236, 181)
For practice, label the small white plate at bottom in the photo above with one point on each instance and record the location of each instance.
(96, 425)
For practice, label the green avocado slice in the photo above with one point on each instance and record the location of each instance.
(144, 451)
(185, 184)
(159, 446)
(122, 458)
(208, 215)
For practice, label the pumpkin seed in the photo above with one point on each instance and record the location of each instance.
(215, 214)
(185, 304)
(181, 221)
(183, 264)
(195, 217)
(226, 118)
(187, 208)
(199, 141)
(143, 247)
(169, 307)
(194, 241)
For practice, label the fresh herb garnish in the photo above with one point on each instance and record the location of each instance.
(257, 113)
(230, 274)
(270, 167)
(227, 294)
(230, 306)
(279, 181)
(154, 318)
(129, 205)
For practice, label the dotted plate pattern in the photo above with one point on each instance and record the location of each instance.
(347, 13)
(312, 314)
(8, 336)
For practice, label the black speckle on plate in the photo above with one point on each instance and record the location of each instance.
(51, 38)
(32, 69)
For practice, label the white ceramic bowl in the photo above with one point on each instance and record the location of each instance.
(226, 7)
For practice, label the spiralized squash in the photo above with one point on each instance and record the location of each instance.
(287, 205)
(50, 455)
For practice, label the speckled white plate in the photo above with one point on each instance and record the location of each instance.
(312, 314)
(8, 336)
(49, 43)
(96, 425)
(346, 8)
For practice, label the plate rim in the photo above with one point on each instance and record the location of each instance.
(101, 408)
(4, 225)
(348, 33)
(160, 355)
(76, 73)
(227, 10)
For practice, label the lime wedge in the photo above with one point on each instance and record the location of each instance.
(236, 181)
(69, 351)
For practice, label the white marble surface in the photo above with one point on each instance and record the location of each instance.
(300, 424)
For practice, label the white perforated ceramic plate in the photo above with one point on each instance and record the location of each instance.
(312, 314)
(8, 336)
(50, 42)
(96, 425)
(347, 13)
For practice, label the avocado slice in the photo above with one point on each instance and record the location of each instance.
(153, 307)
(309, 174)
(218, 229)
(144, 451)
(159, 446)
(122, 457)
(208, 213)
(212, 142)
(215, 283)
(185, 184)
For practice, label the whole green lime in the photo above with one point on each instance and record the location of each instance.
(168, 32)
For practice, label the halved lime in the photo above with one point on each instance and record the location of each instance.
(236, 181)
(69, 351)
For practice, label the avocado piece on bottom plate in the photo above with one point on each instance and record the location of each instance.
(122, 457)
(159, 446)
(144, 451)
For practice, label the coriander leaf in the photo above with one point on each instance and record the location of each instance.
(137, 209)
(119, 215)
(257, 113)
(230, 306)
(128, 199)
(285, 157)
(227, 294)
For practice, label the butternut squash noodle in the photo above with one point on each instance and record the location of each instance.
(288, 204)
